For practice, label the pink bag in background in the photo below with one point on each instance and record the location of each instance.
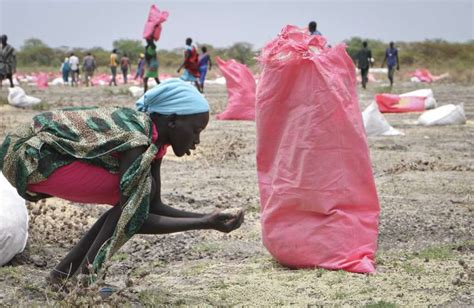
(240, 91)
(392, 103)
(424, 75)
(319, 205)
(42, 81)
(153, 23)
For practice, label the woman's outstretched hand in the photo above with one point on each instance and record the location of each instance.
(225, 222)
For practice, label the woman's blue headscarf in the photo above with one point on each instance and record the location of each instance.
(173, 96)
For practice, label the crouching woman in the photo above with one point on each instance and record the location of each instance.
(112, 156)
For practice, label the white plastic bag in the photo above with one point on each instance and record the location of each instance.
(13, 222)
(375, 123)
(18, 98)
(444, 115)
(430, 102)
(136, 91)
(57, 81)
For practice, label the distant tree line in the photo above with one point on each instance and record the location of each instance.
(430, 53)
(35, 52)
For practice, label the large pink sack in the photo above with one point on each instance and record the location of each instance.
(240, 91)
(153, 23)
(319, 205)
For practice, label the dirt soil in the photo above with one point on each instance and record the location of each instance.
(425, 183)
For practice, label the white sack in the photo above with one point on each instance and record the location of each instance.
(376, 124)
(444, 115)
(18, 98)
(13, 222)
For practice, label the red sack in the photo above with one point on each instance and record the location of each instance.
(240, 91)
(153, 23)
(319, 205)
(392, 103)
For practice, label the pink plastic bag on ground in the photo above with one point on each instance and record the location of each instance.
(392, 103)
(424, 75)
(240, 91)
(153, 23)
(42, 81)
(319, 205)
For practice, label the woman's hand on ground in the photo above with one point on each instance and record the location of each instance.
(225, 222)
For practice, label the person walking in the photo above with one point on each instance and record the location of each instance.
(391, 57)
(190, 64)
(88, 67)
(74, 64)
(7, 61)
(113, 67)
(151, 64)
(65, 69)
(364, 60)
(140, 68)
(204, 63)
(124, 66)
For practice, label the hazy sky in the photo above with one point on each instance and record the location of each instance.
(88, 23)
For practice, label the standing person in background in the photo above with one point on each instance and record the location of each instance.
(151, 63)
(190, 64)
(74, 64)
(204, 63)
(88, 66)
(124, 66)
(312, 28)
(140, 68)
(7, 61)
(391, 56)
(113, 67)
(65, 69)
(364, 60)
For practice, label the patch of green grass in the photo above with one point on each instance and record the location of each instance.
(381, 89)
(437, 253)
(207, 247)
(340, 295)
(41, 106)
(155, 297)
(196, 269)
(412, 268)
(120, 256)
(381, 304)
(11, 273)
(123, 91)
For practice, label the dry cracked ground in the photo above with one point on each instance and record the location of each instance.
(424, 181)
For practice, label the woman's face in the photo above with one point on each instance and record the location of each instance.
(185, 134)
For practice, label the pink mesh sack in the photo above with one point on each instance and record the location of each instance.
(240, 91)
(153, 23)
(319, 205)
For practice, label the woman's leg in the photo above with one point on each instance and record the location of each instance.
(106, 232)
(157, 80)
(145, 83)
(70, 263)
(10, 77)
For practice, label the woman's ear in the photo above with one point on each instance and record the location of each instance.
(172, 121)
